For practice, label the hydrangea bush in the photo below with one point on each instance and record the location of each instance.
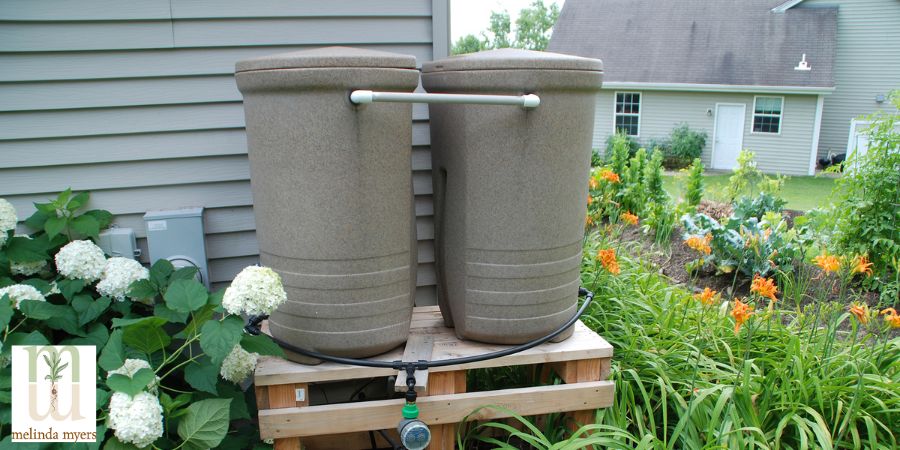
(173, 358)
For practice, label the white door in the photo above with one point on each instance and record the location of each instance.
(729, 135)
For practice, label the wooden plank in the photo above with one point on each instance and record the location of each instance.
(286, 396)
(438, 409)
(262, 397)
(121, 148)
(418, 348)
(68, 36)
(123, 175)
(114, 64)
(584, 344)
(63, 10)
(321, 31)
(208, 9)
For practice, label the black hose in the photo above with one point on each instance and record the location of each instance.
(254, 322)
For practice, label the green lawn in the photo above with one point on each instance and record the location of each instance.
(802, 193)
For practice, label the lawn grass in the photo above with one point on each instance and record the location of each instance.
(801, 193)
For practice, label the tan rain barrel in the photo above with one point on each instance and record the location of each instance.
(510, 191)
(332, 195)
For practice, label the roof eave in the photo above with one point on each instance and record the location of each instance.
(690, 87)
(780, 9)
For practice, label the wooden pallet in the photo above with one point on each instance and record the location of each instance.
(285, 415)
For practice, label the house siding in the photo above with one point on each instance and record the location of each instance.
(786, 153)
(867, 62)
(135, 101)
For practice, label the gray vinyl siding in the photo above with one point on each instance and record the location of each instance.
(786, 153)
(867, 62)
(135, 101)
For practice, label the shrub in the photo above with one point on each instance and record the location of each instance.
(756, 207)
(694, 190)
(750, 246)
(620, 140)
(164, 343)
(681, 147)
(865, 211)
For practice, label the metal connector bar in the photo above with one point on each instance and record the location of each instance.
(363, 96)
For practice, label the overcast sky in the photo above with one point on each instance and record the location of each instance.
(473, 16)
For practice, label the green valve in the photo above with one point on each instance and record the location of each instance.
(410, 411)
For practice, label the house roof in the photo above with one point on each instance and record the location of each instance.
(700, 42)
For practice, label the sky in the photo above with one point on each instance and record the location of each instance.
(473, 16)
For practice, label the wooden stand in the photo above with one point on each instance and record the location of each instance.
(582, 361)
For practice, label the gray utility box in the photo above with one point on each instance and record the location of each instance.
(332, 195)
(177, 235)
(510, 188)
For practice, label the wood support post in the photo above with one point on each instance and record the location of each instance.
(287, 396)
(577, 372)
(443, 437)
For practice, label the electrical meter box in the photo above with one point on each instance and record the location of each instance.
(177, 235)
(119, 242)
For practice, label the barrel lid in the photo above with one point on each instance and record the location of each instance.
(512, 59)
(326, 57)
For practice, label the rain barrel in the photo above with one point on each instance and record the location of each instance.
(510, 190)
(332, 195)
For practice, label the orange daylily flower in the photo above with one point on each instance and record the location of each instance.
(609, 175)
(708, 297)
(588, 221)
(860, 311)
(861, 264)
(607, 257)
(741, 312)
(593, 183)
(828, 263)
(891, 317)
(765, 287)
(700, 244)
(590, 199)
(630, 218)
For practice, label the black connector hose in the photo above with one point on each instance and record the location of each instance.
(253, 324)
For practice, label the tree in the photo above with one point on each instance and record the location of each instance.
(533, 29)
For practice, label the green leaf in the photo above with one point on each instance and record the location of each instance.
(161, 310)
(200, 318)
(215, 298)
(113, 355)
(33, 338)
(104, 218)
(185, 296)
(146, 336)
(54, 225)
(36, 309)
(89, 309)
(113, 443)
(130, 385)
(160, 272)
(36, 220)
(217, 339)
(205, 424)
(64, 318)
(70, 287)
(184, 273)
(6, 310)
(39, 284)
(261, 344)
(22, 249)
(170, 404)
(97, 335)
(78, 201)
(86, 225)
(142, 289)
(63, 197)
(238, 401)
(202, 375)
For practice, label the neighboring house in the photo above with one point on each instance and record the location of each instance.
(135, 101)
(736, 69)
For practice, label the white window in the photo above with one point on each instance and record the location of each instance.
(628, 113)
(767, 114)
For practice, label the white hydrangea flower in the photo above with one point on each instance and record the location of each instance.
(19, 292)
(137, 420)
(254, 291)
(27, 268)
(8, 219)
(238, 365)
(118, 275)
(130, 367)
(81, 260)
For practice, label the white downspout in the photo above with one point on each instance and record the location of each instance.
(817, 128)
